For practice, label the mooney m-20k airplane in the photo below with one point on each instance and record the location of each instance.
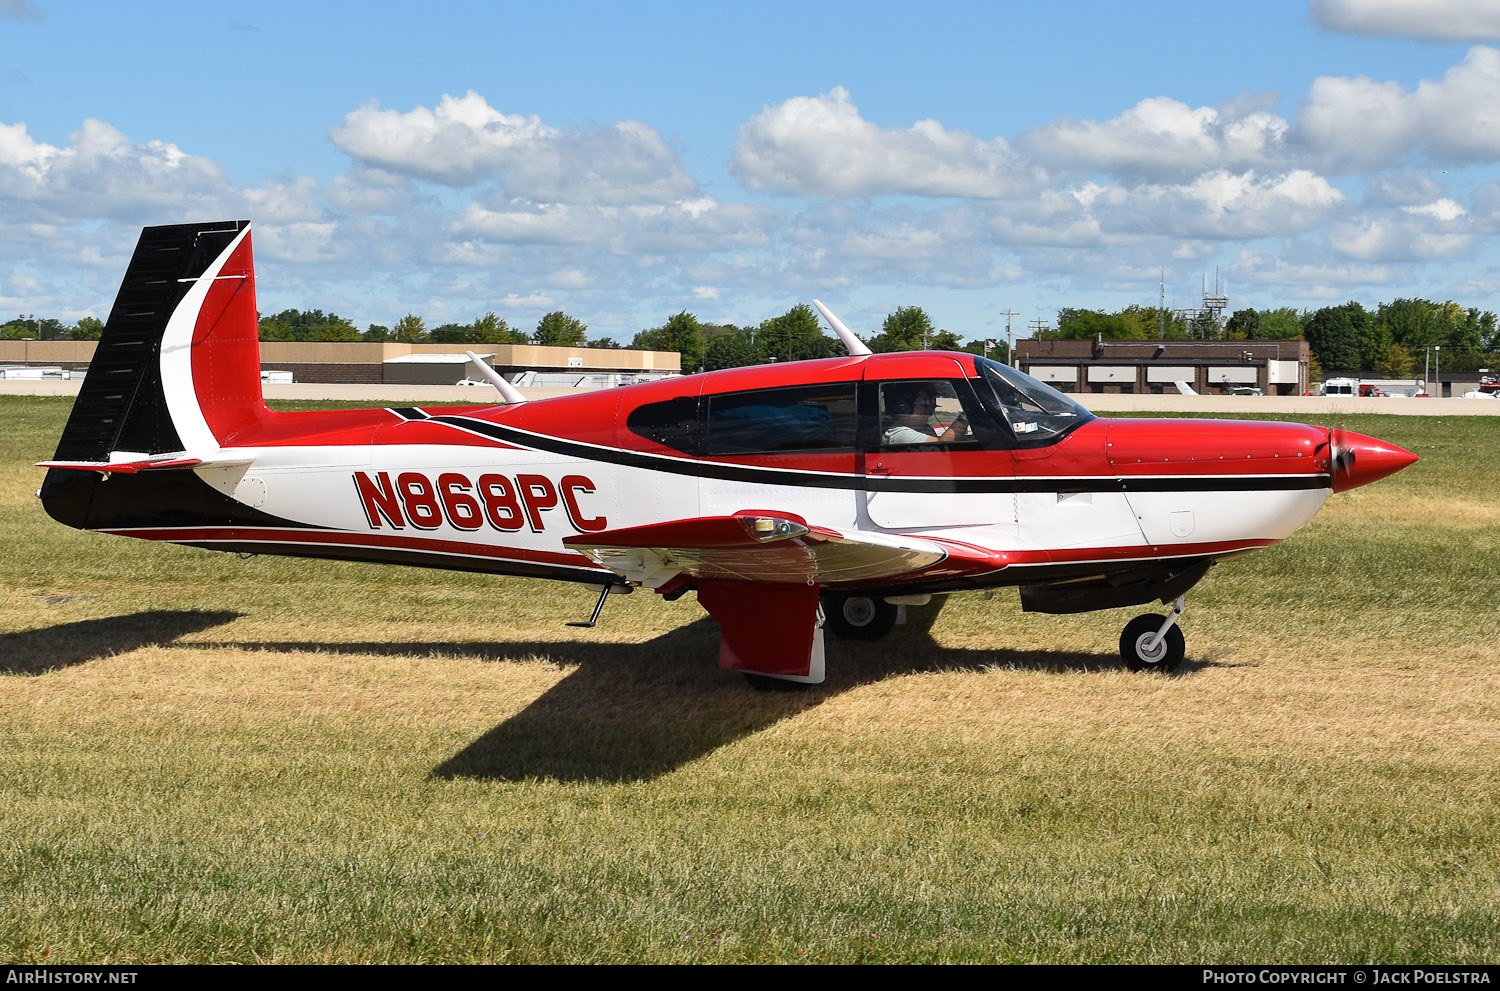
(842, 490)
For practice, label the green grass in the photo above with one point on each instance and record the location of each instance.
(212, 759)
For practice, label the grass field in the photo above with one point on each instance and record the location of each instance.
(212, 759)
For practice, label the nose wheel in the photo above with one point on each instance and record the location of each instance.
(1151, 643)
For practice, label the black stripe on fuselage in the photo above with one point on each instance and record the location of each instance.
(409, 412)
(887, 483)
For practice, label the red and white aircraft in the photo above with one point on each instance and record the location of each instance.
(844, 489)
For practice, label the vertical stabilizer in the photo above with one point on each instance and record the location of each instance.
(178, 364)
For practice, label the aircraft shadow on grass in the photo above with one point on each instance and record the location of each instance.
(632, 712)
(34, 652)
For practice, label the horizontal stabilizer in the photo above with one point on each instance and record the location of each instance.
(754, 546)
(130, 462)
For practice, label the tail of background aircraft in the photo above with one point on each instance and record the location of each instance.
(175, 377)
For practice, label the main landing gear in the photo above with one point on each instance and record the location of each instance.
(1152, 643)
(858, 617)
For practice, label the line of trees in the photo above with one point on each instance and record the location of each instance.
(1393, 339)
(794, 335)
(48, 329)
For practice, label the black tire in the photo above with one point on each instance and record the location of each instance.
(858, 617)
(765, 683)
(1167, 655)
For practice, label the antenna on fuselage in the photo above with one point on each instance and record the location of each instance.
(854, 344)
(508, 392)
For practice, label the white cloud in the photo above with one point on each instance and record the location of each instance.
(1222, 206)
(690, 226)
(101, 173)
(1162, 139)
(1443, 209)
(1427, 20)
(1265, 268)
(534, 301)
(1400, 238)
(1401, 189)
(1359, 123)
(822, 146)
(464, 142)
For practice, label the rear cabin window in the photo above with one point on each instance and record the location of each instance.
(673, 423)
(801, 419)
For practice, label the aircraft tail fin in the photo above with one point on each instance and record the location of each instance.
(1185, 389)
(177, 369)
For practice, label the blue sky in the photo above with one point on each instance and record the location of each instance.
(626, 161)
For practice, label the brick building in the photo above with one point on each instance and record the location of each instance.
(1209, 367)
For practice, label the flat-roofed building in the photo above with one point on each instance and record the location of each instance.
(1131, 366)
(361, 362)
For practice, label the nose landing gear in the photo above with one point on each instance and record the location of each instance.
(1152, 643)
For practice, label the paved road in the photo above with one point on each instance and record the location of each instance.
(452, 395)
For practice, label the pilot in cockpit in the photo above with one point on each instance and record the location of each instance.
(909, 408)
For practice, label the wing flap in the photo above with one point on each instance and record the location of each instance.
(755, 546)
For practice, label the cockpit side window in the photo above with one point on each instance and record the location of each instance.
(933, 415)
(799, 419)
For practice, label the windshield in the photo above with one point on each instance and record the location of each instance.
(1036, 413)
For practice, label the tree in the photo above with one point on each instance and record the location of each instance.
(1336, 333)
(1281, 324)
(559, 330)
(1241, 325)
(732, 350)
(17, 330)
(453, 333)
(604, 343)
(1076, 325)
(87, 329)
(796, 335)
(335, 328)
(682, 333)
(490, 329)
(411, 329)
(907, 328)
(1398, 363)
(1148, 323)
(378, 332)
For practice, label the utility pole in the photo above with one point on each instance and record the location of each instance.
(1010, 344)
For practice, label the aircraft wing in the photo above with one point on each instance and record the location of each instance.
(754, 546)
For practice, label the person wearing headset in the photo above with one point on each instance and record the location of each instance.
(910, 405)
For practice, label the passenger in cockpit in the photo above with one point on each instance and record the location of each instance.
(909, 408)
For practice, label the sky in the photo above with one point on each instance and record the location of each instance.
(623, 162)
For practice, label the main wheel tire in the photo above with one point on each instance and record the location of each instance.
(765, 683)
(858, 617)
(1138, 632)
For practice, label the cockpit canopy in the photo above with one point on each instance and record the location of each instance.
(997, 407)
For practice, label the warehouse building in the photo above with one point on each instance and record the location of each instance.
(1277, 368)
